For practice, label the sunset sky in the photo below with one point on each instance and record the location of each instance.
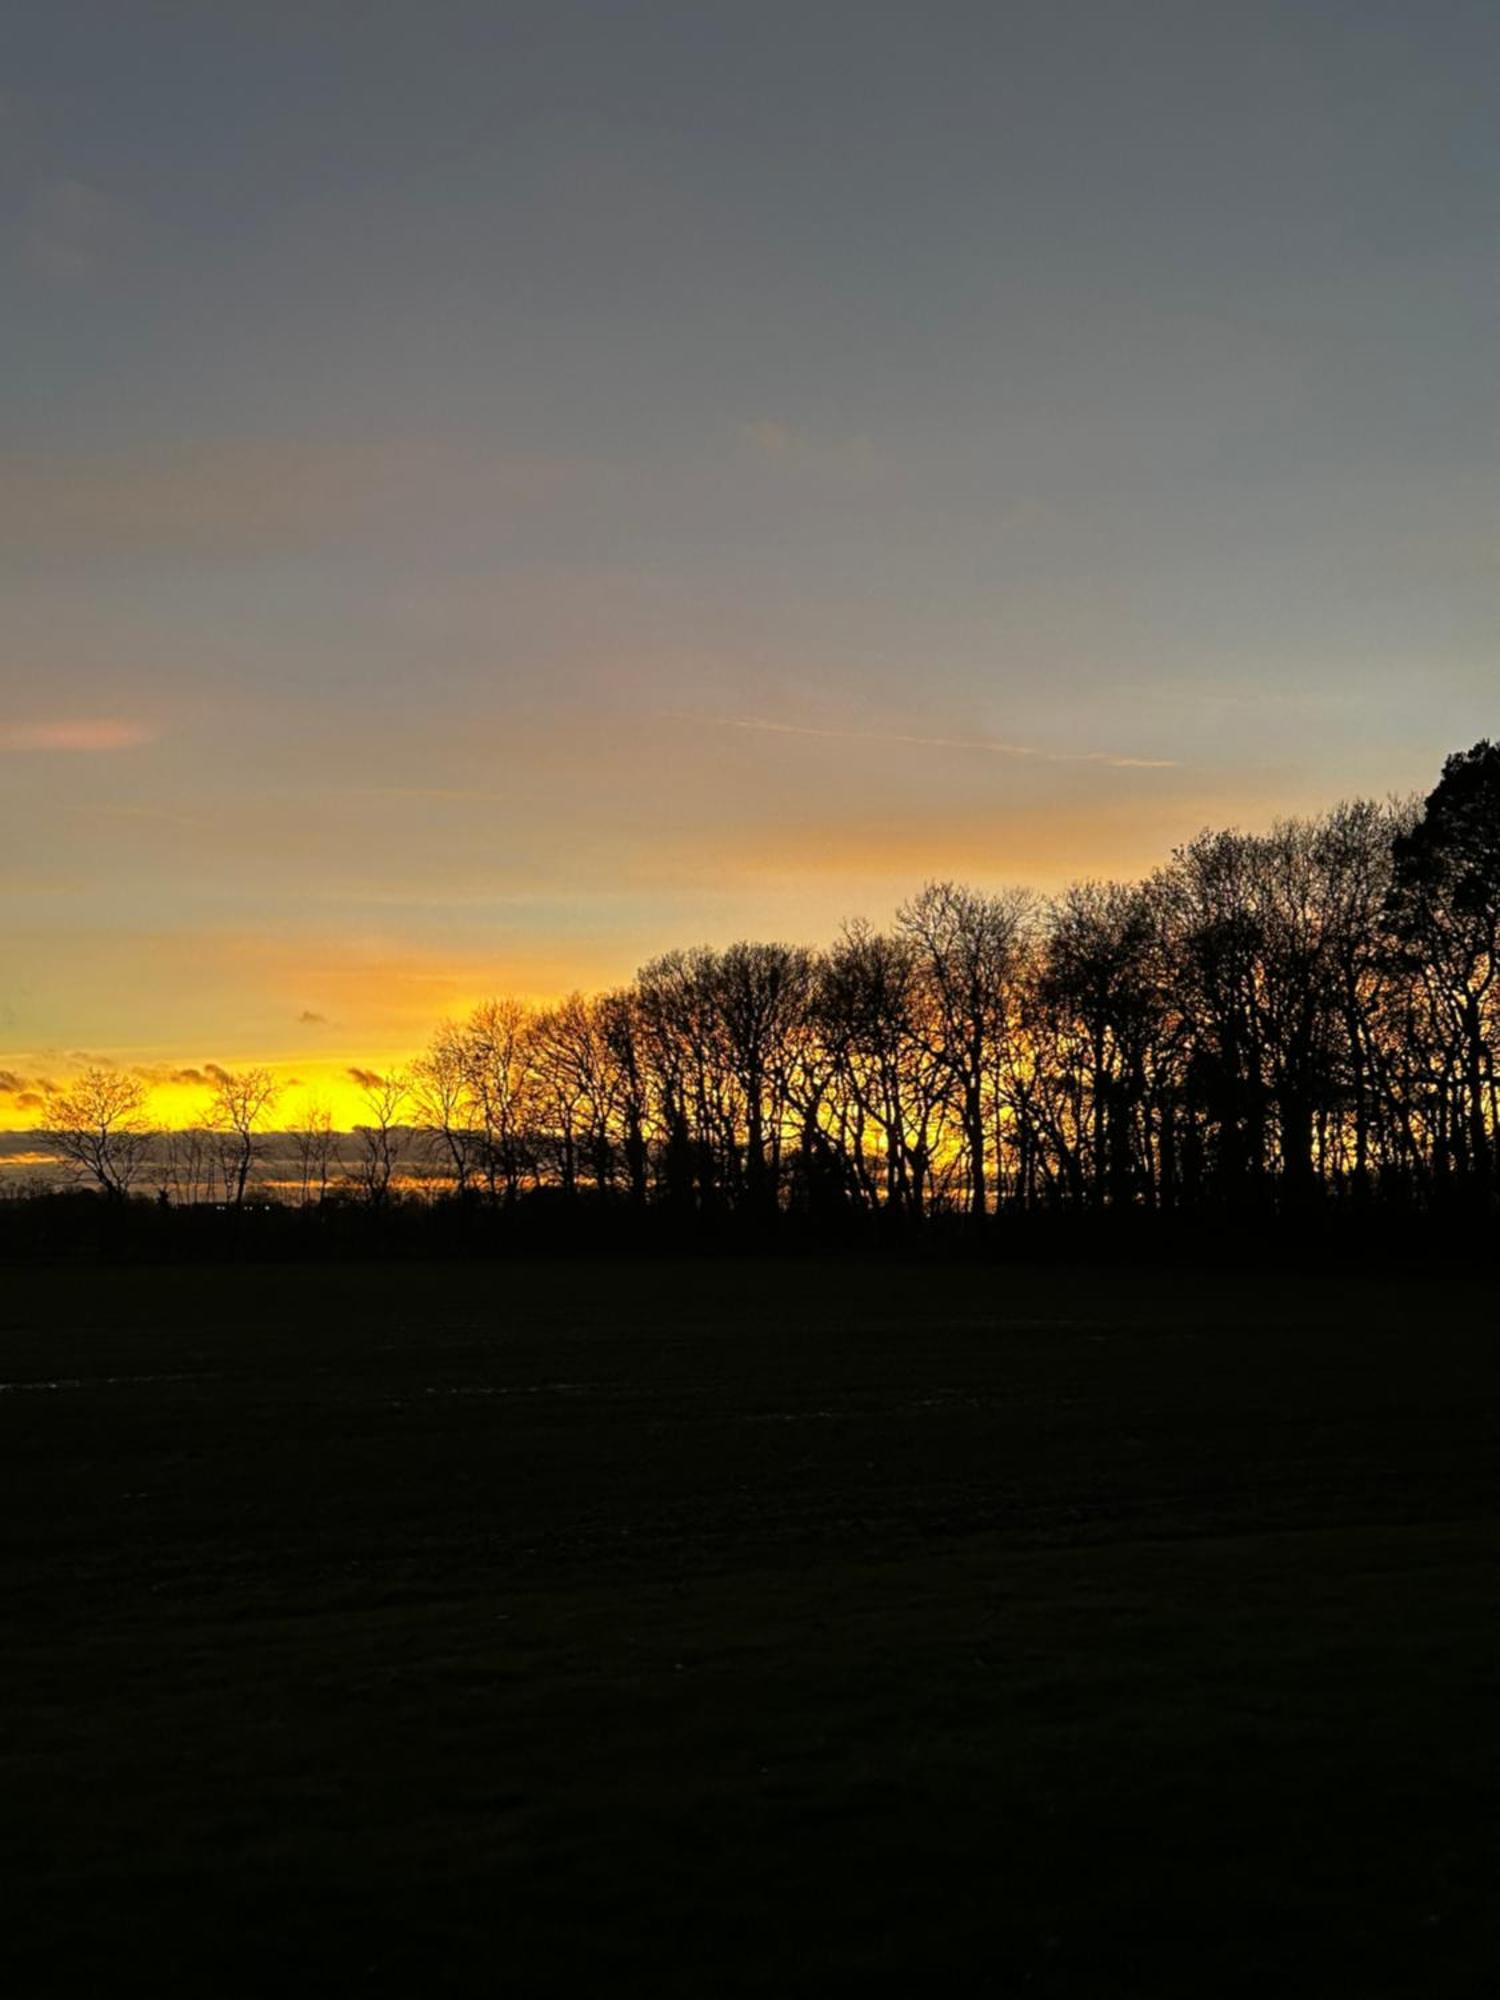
(489, 492)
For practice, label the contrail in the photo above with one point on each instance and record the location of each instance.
(994, 746)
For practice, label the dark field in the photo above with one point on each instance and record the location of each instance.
(712, 1628)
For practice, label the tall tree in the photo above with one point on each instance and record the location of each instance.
(443, 1102)
(970, 952)
(496, 1058)
(380, 1136)
(238, 1102)
(1444, 910)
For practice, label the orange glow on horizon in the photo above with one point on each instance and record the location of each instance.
(181, 1100)
(314, 1007)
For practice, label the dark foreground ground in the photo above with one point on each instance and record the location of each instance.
(706, 1629)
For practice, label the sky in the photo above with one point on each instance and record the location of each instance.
(489, 492)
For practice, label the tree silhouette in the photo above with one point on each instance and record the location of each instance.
(239, 1101)
(1272, 1021)
(97, 1125)
(379, 1137)
(1444, 911)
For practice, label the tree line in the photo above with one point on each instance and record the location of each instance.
(1270, 1020)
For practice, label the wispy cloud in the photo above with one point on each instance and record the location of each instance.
(989, 745)
(87, 733)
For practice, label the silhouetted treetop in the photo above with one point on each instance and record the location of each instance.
(1280, 1019)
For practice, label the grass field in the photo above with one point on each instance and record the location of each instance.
(726, 1629)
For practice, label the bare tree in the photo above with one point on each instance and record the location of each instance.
(444, 1105)
(380, 1139)
(1096, 1038)
(761, 996)
(622, 1050)
(316, 1146)
(971, 951)
(562, 1058)
(496, 1058)
(186, 1162)
(885, 1103)
(97, 1125)
(238, 1102)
